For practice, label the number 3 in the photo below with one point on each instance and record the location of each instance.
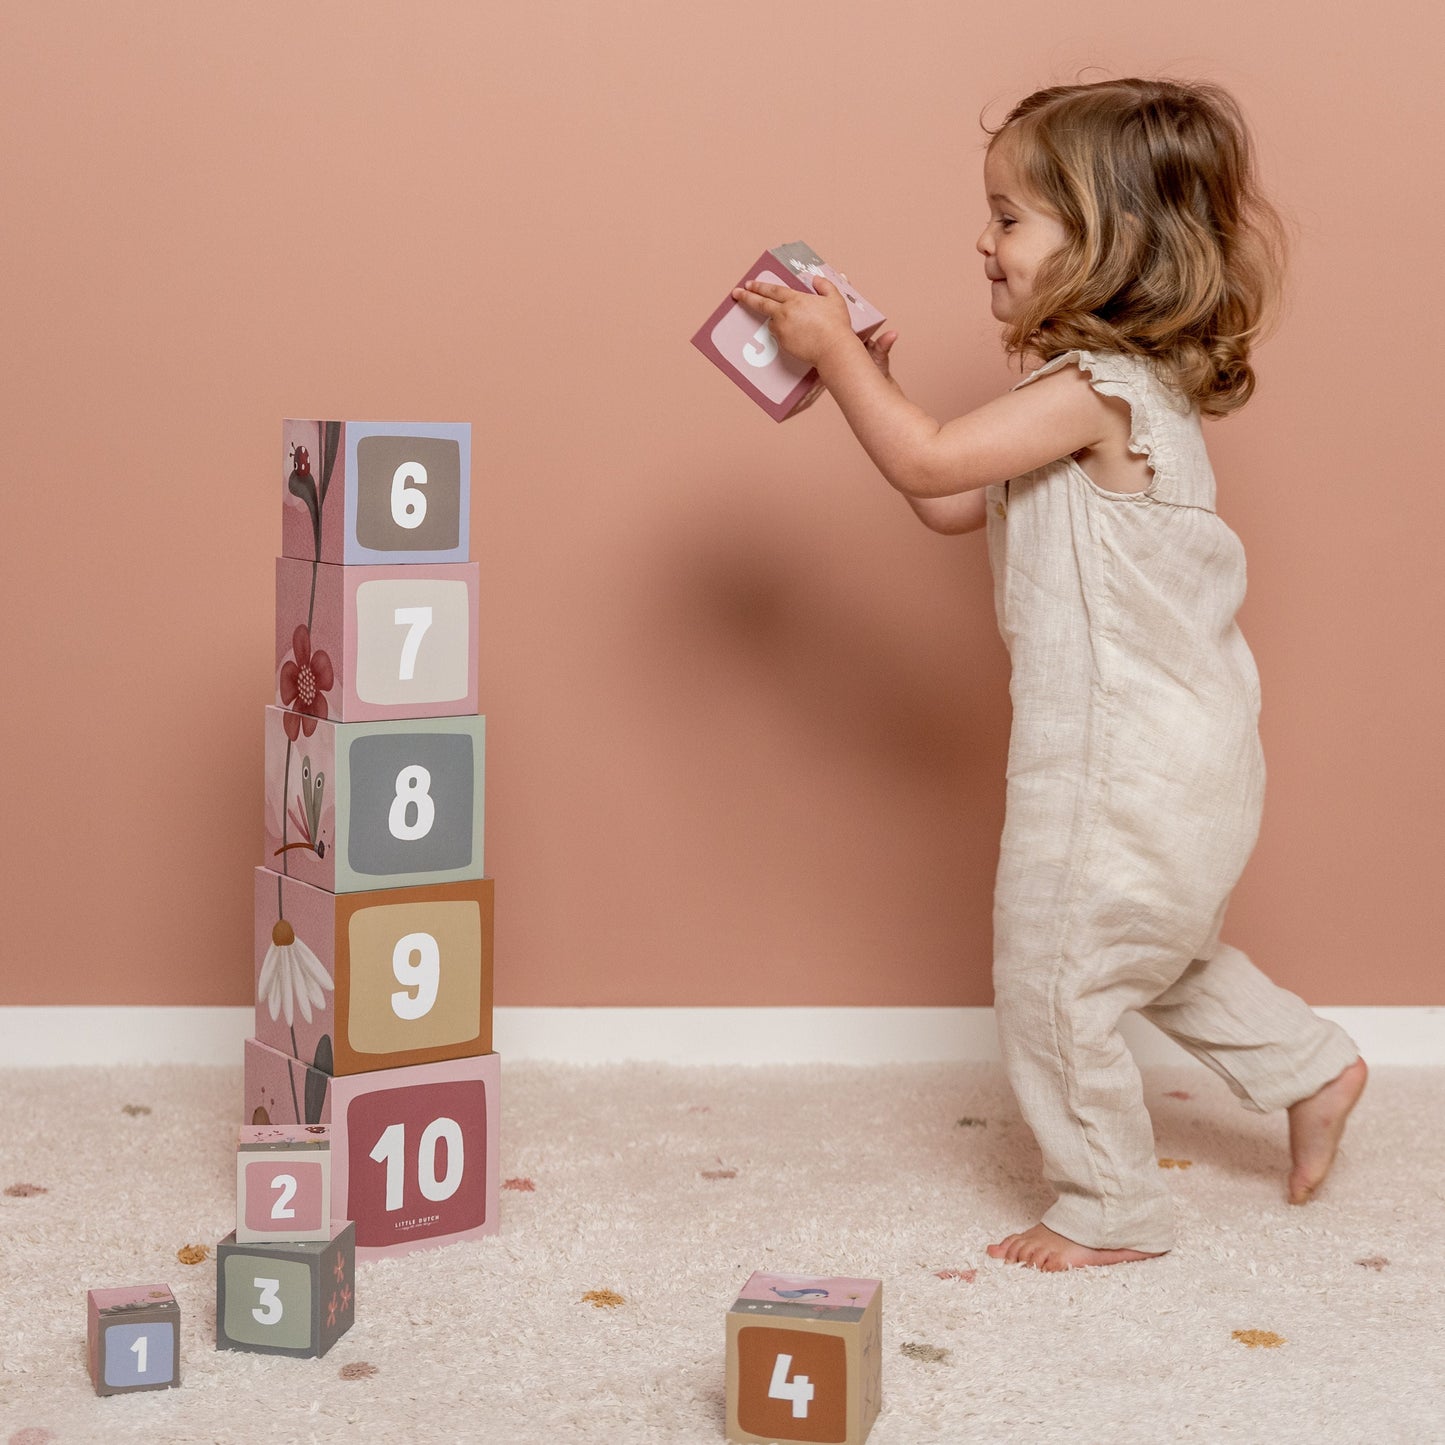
(271, 1299)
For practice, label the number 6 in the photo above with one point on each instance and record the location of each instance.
(408, 505)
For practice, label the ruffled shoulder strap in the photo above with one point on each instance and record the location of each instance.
(1159, 418)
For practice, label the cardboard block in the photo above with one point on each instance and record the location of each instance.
(805, 1359)
(352, 806)
(133, 1338)
(371, 492)
(413, 1150)
(286, 1298)
(354, 982)
(359, 643)
(742, 347)
(283, 1183)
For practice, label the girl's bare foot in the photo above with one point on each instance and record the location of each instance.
(1315, 1126)
(1043, 1249)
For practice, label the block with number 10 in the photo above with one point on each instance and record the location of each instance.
(804, 1359)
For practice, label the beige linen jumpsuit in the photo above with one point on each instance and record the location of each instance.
(1135, 787)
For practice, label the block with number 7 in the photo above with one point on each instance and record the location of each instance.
(286, 1298)
(805, 1359)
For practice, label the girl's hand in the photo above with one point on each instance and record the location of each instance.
(878, 348)
(804, 324)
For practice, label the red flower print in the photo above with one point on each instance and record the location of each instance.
(340, 1268)
(345, 1296)
(331, 1311)
(304, 682)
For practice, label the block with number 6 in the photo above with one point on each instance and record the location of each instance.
(372, 492)
(133, 1339)
(413, 1150)
(283, 1182)
(365, 805)
(285, 1298)
(358, 643)
(805, 1359)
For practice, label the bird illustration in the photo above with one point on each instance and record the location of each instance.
(308, 820)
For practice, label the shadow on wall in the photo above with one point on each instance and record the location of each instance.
(834, 658)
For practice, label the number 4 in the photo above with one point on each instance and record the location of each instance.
(799, 1391)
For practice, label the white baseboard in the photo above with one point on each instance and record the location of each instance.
(34, 1037)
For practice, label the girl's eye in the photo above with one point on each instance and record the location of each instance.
(1006, 222)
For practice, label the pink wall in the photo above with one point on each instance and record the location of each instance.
(747, 718)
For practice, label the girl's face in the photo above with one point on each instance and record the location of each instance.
(1020, 234)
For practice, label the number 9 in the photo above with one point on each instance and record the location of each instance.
(424, 975)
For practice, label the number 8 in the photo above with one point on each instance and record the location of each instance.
(413, 789)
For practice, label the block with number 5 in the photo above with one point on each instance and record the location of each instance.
(283, 1182)
(285, 1298)
(413, 1150)
(353, 982)
(743, 348)
(352, 806)
(805, 1359)
(355, 643)
(133, 1338)
(371, 492)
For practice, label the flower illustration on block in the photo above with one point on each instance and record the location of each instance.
(292, 977)
(305, 678)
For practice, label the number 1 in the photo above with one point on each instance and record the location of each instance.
(138, 1349)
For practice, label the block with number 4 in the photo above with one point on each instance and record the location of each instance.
(353, 982)
(133, 1338)
(805, 1359)
(286, 1298)
(283, 1182)
(355, 643)
(372, 492)
(353, 806)
(744, 348)
(413, 1151)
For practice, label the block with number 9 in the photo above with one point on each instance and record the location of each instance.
(283, 1298)
(357, 643)
(376, 492)
(804, 1359)
(353, 982)
(352, 806)
(743, 348)
(133, 1338)
(413, 1150)
(283, 1182)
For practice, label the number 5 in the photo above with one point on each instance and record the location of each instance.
(418, 619)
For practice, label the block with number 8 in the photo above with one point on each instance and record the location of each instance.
(366, 805)
(804, 1359)
(376, 492)
(358, 643)
(133, 1339)
(283, 1182)
(413, 1150)
(352, 982)
(286, 1298)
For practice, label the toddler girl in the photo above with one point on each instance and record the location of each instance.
(1128, 251)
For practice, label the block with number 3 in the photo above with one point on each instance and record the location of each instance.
(369, 492)
(286, 1298)
(804, 1359)
(283, 1182)
(357, 643)
(133, 1338)
(743, 348)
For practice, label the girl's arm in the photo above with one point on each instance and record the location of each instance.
(923, 459)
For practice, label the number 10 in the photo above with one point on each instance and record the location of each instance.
(390, 1149)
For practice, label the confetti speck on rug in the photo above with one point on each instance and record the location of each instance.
(193, 1253)
(1256, 1339)
(357, 1370)
(519, 1185)
(603, 1299)
(1176, 1163)
(136, 1111)
(929, 1354)
(25, 1191)
(1373, 1261)
(966, 1275)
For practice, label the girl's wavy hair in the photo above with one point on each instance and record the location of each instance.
(1173, 253)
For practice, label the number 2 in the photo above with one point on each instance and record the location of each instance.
(799, 1391)
(286, 1183)
(417, 619)
(271, 1298)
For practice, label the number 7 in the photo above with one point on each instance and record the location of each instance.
(418, 619)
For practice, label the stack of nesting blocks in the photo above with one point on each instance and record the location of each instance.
(373, 943)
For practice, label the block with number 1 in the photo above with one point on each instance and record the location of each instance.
(133, 1338)
(805, 1359)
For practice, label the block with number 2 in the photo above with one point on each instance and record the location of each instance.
(283, 1182)
(804, 1359)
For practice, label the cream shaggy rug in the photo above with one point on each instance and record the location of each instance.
(668, 1186)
